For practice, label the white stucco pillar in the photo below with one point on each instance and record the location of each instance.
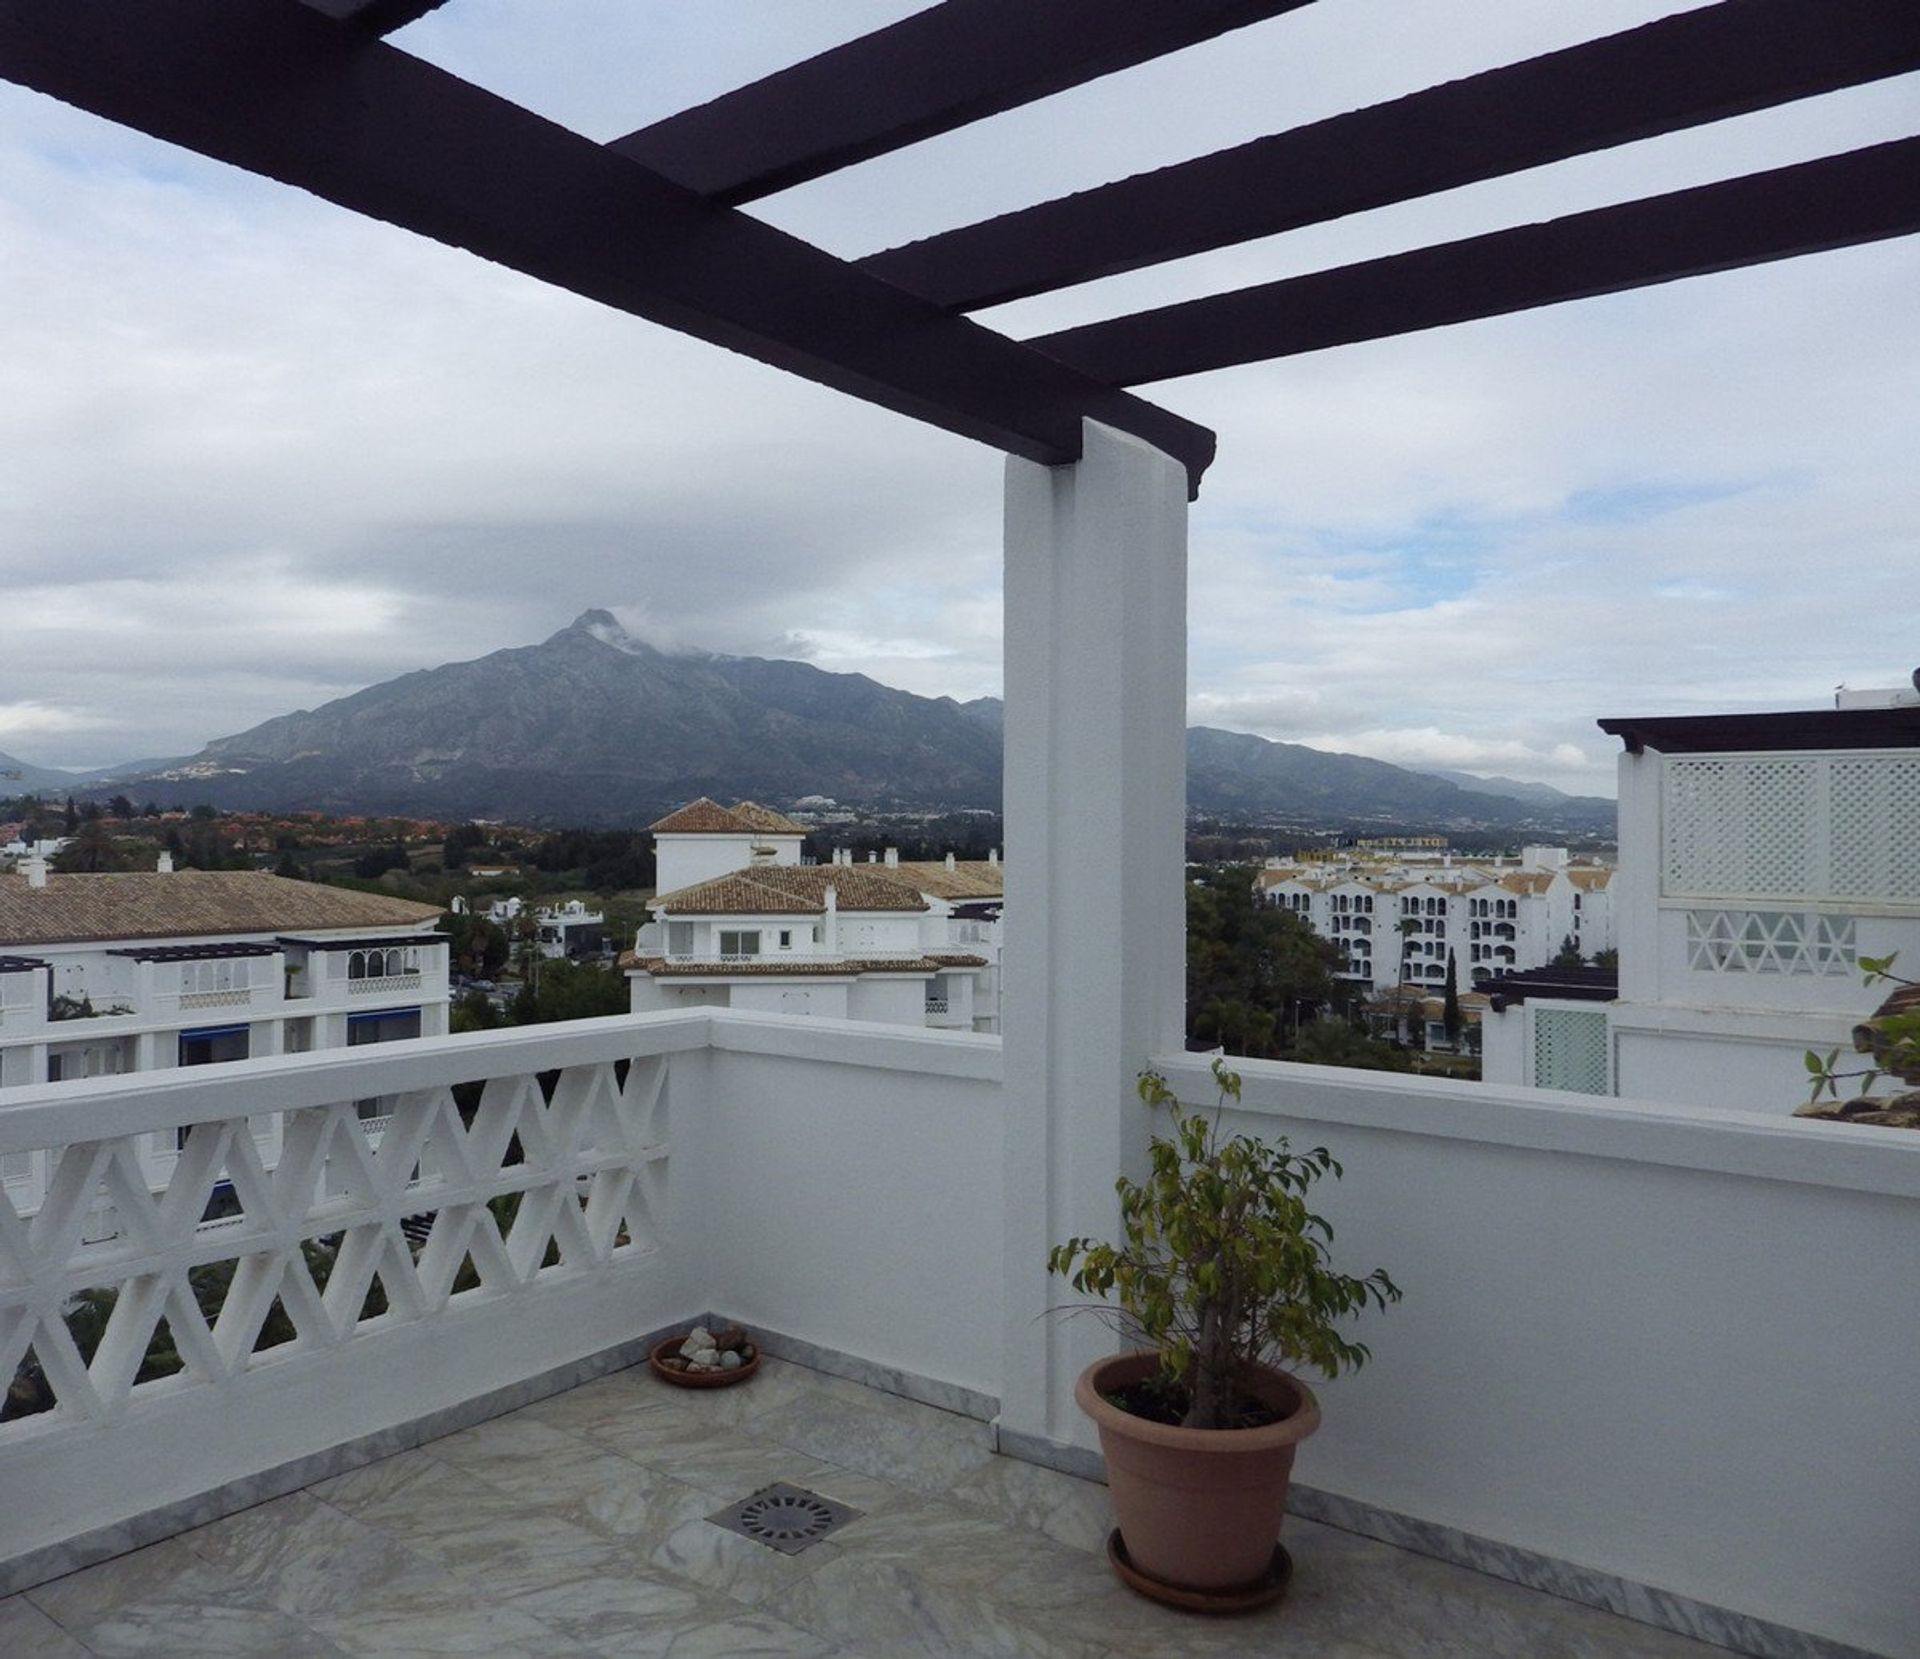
(1095, 929)
(1636, 880)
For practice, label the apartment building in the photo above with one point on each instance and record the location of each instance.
(1762, 857)
(1397, 917)
(129, 972)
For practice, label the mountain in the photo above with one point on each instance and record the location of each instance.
(20, 777)
(596, 726)
(1535, 794)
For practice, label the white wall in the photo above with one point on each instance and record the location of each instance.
(888, 1001)
(1665, 1343)
(682, 860)
(844, 1186)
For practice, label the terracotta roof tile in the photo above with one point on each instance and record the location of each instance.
(188, 904)
(764, 818)
(971, 878)
(702, 817)
(658, 967)
(791, 889)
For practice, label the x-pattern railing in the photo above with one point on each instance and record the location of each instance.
(530, 1181)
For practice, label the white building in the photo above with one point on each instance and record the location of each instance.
(1396, 918)
(112, 973)
(705, 839)
(1761, 857)
(840, 941)
(560, 930)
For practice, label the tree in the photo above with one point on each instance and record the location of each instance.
(289, 868)
(72, 816)
(1254, 970)
(1451, 1010)
(1327, 1042)
(120, 807)
(1608, 959)
(1568, 955)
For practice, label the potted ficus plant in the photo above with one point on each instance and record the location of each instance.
(1224, 1274)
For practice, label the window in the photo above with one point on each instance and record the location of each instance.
(786, 938)
(679, 938)
(213, 1046)
(739, 942)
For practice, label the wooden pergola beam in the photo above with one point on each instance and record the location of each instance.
(1837, 202)
(929, 73)
(281, 90)
(1682, 71)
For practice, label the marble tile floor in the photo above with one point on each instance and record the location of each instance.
(577, 1527)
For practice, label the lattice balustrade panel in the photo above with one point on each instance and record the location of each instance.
(1876, 828)
(1770, 942)
(1740, 826)
(1570, 1050)
(112, 1292)
(1802, 826)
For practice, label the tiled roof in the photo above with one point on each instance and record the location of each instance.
(972, 878)
(702, 817)
(1526, 881)
(791, 889)
(659, 967)
(948, 959)
(708, 817)
(1590, 881)
(188, 904)
(766, 819)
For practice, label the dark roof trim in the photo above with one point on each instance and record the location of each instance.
(192, 953)
(21, 964)
(1682, 71)
(1836, 202)
(1505, 991)
(385, 942)
(278, 89)
(927, 74)
(1693, 734)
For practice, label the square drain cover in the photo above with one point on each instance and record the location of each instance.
(785, 1518)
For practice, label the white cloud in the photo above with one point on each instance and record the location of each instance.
(261, 452)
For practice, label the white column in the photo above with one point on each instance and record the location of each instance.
(1095, 929)
(1636, 880)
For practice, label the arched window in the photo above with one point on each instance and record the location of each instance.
(357, 965)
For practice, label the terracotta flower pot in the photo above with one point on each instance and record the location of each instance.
(1198, 1509)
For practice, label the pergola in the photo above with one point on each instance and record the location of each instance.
(658, 224)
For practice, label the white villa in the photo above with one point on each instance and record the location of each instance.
(1761, 857)
(560, 930)
(1396, 918)
(902, 944)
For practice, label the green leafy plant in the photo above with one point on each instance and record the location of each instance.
(1224, 1266)
(1892, 1039)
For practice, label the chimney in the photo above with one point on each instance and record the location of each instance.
(35, 870)
(872, 856)
(893, 858)
(164, 864)
(993, 857)
(949, 861)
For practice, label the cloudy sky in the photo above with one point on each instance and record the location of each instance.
(256, 453)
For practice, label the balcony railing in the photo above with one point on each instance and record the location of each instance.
(1500, 1211)
(383, 984)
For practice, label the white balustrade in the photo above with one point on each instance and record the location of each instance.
(383, 984)
(546, 1244)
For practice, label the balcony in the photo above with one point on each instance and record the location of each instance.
(470, 1444)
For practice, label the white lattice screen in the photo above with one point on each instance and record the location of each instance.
(1570, 1050)
(1801, 826)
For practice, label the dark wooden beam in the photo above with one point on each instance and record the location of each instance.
(1861, 196)
(927, 74)
(377, 17)
(1682, 71)
(276, 88)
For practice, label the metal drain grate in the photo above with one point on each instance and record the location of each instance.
(785, 1518)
